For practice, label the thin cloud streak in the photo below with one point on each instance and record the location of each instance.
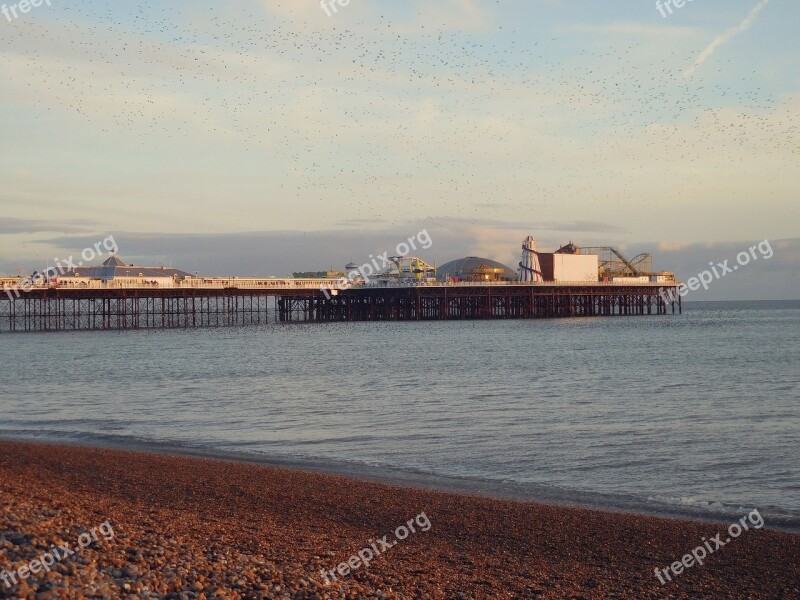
(725, 38)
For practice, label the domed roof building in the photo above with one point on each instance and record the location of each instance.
(117, 273)
(475, 268)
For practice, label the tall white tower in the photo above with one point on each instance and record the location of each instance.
(529, 268)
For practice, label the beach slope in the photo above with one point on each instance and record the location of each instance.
(199, 528)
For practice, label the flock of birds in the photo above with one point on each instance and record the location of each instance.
(376, 113)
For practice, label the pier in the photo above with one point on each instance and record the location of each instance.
(236, 302)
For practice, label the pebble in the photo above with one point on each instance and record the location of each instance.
(203, 530)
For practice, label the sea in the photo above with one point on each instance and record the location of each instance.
(692, 416)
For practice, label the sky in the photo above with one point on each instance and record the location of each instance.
(260, 137)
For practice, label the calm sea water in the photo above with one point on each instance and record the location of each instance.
(693, 415)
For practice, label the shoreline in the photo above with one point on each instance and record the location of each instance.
(215, 528)
(481, 488)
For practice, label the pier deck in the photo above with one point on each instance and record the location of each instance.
(72, 309)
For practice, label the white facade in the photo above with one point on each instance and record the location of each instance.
(575, 267)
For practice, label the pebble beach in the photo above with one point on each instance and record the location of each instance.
(198, 528)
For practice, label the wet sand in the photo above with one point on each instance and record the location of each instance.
(199, 528)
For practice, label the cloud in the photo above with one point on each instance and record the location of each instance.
(725, 38)
(518, 225)
(419, 17)
(11, 225)
(367, 127)
(775, 278)
(673, 246)
(461, 15)
(278, 253)
(633, 28)
(582, 227)
(301, 15)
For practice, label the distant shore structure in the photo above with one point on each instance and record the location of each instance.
(569, 282)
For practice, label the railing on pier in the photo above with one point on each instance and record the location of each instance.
(237, 302)
(316, 284)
